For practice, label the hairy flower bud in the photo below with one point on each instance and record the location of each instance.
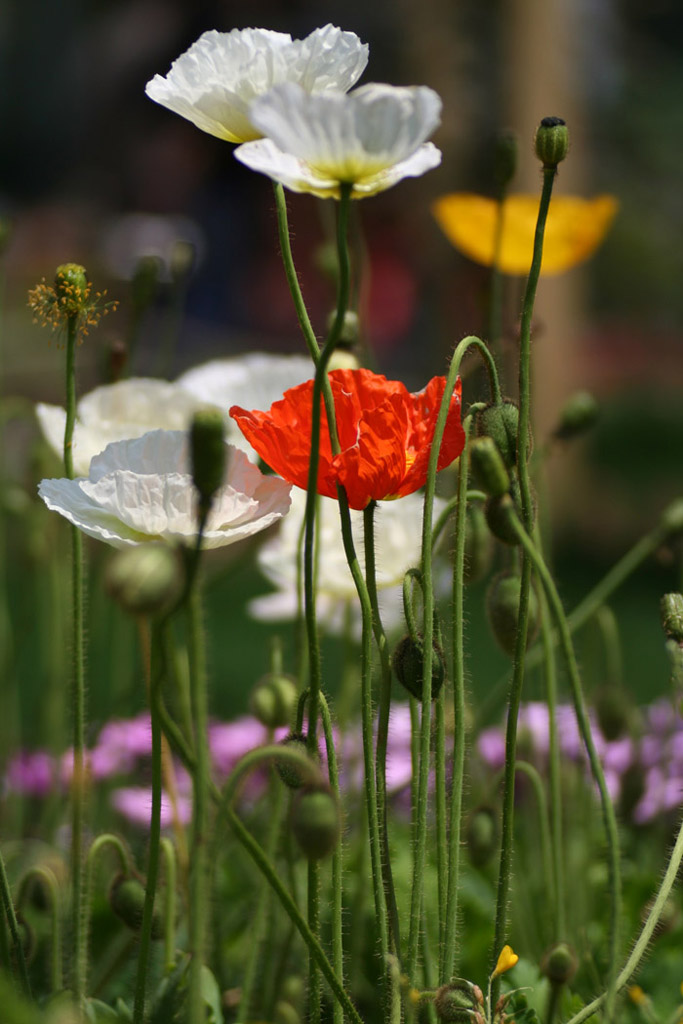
(315, 821)
(478, 544)
(551, 141)
(146, 579)
(577, 416)
(208, 453)
(292, 776)
(559, 964)
(408, 664)
(672, 616)
(458, 1002)
(502, 607)
(482, 836)
(488, 467)
(500, 420)
(127, 900)
(272, 700)
(498, 512)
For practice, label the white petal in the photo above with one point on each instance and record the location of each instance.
(265, 157)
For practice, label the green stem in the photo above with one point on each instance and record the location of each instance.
(503, 889)
(51, 886)
(13, 925)
(170, 876)
(543, 819)
(585, 730)
(609, 631)
(290, 272)
(458, 763)
(420, 837)
(643, 940)
(384, 709)
(447, 512)
(440, 818)
(154, 832)
(337, 861)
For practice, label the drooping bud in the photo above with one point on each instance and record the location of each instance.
(478, 544)
(559, 964)
(208, 454)
(577, 416)
(501, 422)
(502, 607)
(482, 836)
(505, 159)
(146, 579)
(488, 468)
(613, 711)
(316, 822)
(272, 700)
(408, 664)
(551, 141)
(127, 900)
(499, 513)
(458, 1002)
(292, 776)
(672, 616)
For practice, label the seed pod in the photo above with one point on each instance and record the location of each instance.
(502, 606)
(272, 700)
(315, 821)
(551, 141)
(408, 664)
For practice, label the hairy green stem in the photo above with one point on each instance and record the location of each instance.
(13, 925)
(291, 274)
(47, 877)
(170, 876)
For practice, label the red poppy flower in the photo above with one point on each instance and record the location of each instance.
(385, 434)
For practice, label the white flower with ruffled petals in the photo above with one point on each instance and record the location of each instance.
(114, 412)
(141, 490)
(370, 138)
(213, 83)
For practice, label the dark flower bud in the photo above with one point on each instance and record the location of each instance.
(505, 159)
(577, 416)
(502, 607)
(488, 468)
(127, 900)
(501, 422)
(559, 964)
(272, 700)
(292, 776)
(672, 518)
(672, 616)
(458, 1002)
(612, 710)
(478, 544)
(208, 453)
(71, 288)
(316, 822)
(145, 282)
(146, 579)
(551, 141)
(408, 664)
(482, 836)
(498, 512)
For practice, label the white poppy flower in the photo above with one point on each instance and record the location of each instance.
(141, 490)
(255, 380)
(372, 138)
(398, 539)
(114, 412)
(213, 83)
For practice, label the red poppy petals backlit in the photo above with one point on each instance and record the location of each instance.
(385, 434)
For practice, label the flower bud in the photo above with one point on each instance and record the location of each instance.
(498, 513)
(127, 900)
(501, 422)
(672, 518)
(505, 159)
(408, 664)
(350, 328)
(488, 468)
(612, 710)
(502, 607)
(146, 579)
(672, 616)
(292, 776)
(208, 453)
(273, 699)
(343, 359)
(71, 288)
(482, 836)
(551, 141)
(315, 821)
(478, 544)
(458, 1001)
(559, 964)
(577, 416)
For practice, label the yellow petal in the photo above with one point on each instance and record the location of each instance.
(574, 229)
(506, 961)
(636, 995)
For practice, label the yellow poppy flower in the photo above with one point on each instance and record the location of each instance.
(506, 961)
(574, 229)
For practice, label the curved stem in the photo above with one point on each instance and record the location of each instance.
(13, 925)
(290, 272)
(51, 885)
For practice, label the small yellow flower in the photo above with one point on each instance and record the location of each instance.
(636, 995)
(574, 229)
(506, 961)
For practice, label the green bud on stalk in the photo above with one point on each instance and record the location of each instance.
(146, 579)
(273, 699)
(127, 900)
(577, 416)
(208, 453)
(559, 964)
(488, 468)
(501, 422)
(292, 776)
(316, 822)
(498, 512)
(502, 607)
(408, 664)
(551, 141)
